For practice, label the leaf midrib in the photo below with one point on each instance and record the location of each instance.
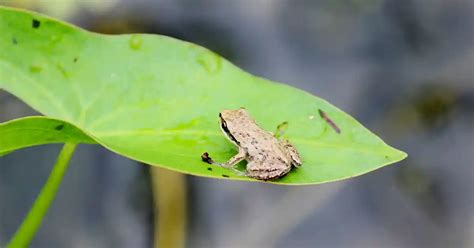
(100, 135)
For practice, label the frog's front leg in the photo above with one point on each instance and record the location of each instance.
(232, 162)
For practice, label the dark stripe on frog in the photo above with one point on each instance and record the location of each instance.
(226, 130)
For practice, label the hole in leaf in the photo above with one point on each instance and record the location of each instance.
(35, 23)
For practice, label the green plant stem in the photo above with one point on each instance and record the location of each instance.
(32, 222)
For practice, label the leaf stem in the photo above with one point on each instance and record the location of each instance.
(32, 221)
(169, 195)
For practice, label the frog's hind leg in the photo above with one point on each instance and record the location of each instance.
(269, 170)
(295, 156)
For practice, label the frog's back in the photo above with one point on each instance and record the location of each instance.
(260, 143)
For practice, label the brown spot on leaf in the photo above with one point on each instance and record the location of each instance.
(59, 127)
(329, 121)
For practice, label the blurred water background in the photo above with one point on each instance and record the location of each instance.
(403, 68)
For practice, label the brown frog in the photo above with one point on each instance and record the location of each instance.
(267, 157)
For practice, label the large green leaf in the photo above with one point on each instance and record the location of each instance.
(156, 99)
(37, 130)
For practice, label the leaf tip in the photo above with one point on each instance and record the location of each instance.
(397, 156)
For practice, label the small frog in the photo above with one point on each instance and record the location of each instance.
(267, 157)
